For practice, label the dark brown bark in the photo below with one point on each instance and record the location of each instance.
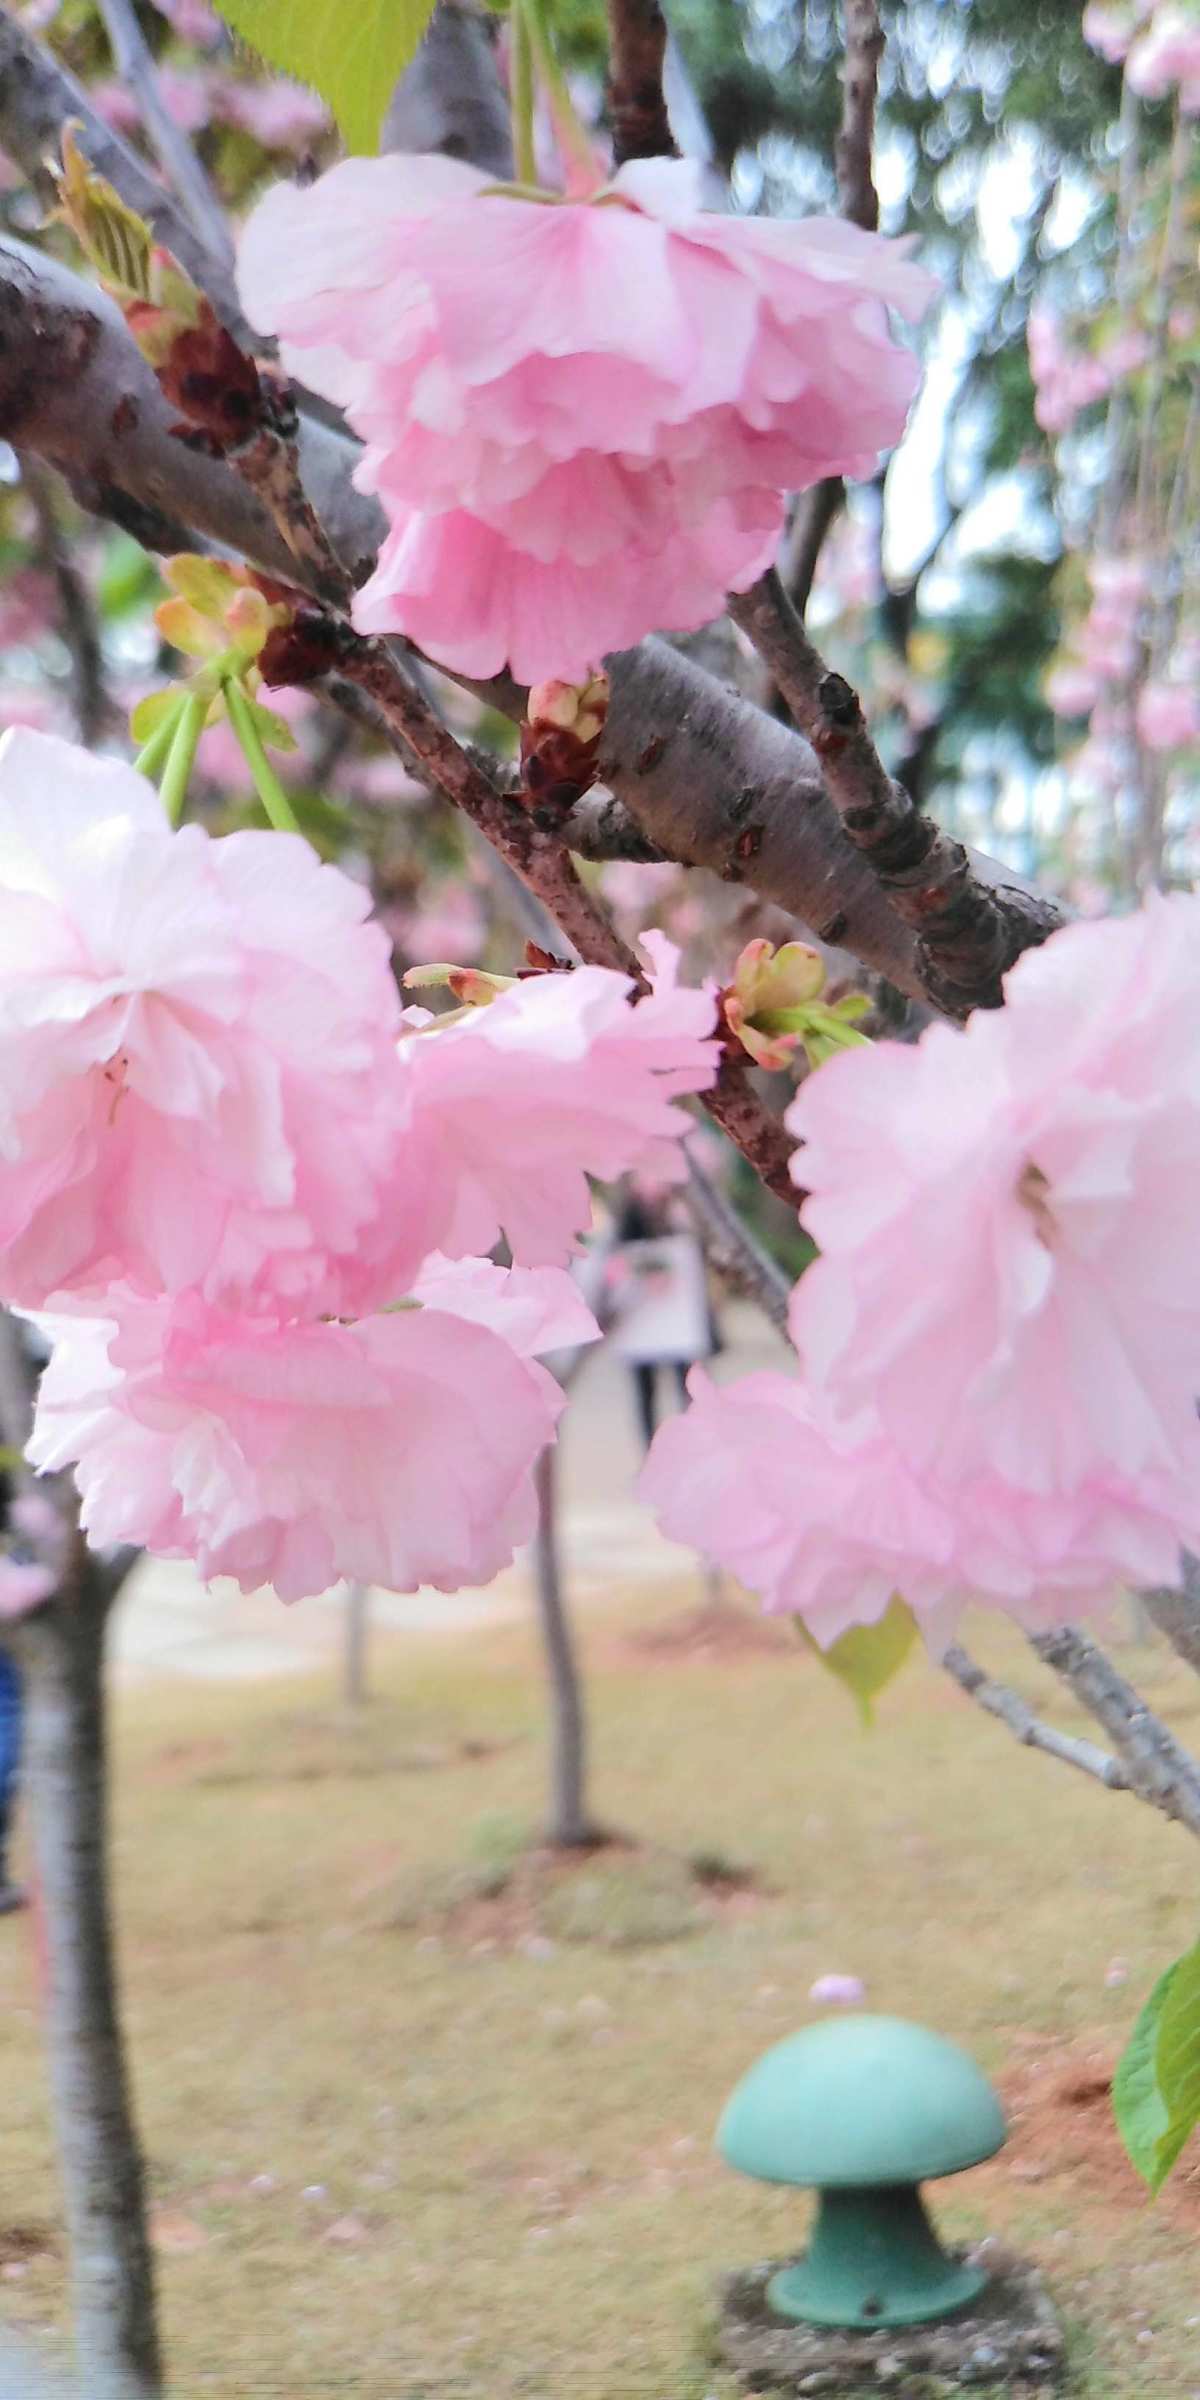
(61, 1650)
(969, 932)
(637, 108)
(568, 1825)
(856, 133)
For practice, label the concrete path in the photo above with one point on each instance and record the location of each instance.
(168, 1623)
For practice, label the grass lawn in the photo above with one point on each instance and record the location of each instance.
(426, 2126)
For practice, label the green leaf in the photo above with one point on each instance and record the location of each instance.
(273, 729)
(867, 1658)
(153, 711)
(1143, 2117)
(1177, 2059)
(350, 51)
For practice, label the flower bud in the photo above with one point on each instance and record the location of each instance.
(560, 739)
(766, 1005)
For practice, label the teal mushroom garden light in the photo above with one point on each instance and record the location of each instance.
(865, 2109)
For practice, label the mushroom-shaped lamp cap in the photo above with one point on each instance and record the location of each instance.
(860, 2100)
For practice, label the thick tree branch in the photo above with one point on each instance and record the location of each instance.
(969, 932)
(1159, 1769)
(134, 63)
(37, 98)
(1001, 1701)
(637, 108)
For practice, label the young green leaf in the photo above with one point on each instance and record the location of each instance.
(1138, 2105)
(1177, 2059)
(867, 1657)
(350, 51)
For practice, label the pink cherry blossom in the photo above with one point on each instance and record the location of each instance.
(516, 1104)
(1009, 1269)
(827, 1519)
(581, 418)
(198, 1077)
(396, 1450)
(1168, 715)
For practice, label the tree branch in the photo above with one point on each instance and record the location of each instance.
(734, 1250)
(711, 780)
(1177, 1614)
(77, 617)
(969, 933)
(637, 108)
(1159, 1769)
(856, 133)
(538, 855)
(135, 65)
(450, 98)
(1001, 1701)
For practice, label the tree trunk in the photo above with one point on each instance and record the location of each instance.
(354, 1648)
(568, 1825)
(62, 1658)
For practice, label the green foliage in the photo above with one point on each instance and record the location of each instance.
(350, 51)
(868, 1657)
(1156, 2089)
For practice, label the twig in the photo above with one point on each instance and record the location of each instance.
(135, 65)
(637, 108)
(856, 133)
(77, 617)
(734, 1250)
(968, 934)
(539, 856)
(600, 827)
(1001, 1701)
(814, 517)
(1159, 1769)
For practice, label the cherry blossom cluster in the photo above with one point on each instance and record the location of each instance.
(999, 1342)
(249, 1200)
(567, 457)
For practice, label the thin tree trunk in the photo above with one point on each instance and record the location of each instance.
(354, 1649)
(568, 1826)
(62, 1658)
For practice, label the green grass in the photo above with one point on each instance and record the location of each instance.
(425, 2123)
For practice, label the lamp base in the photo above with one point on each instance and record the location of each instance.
(874, 2260)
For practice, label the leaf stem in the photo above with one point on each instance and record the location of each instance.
(181, 757)
(583, 171)
(154, 753)
(276, 805)
(521, 96)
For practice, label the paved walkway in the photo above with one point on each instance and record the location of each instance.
(168, 1623)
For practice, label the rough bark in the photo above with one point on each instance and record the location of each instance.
(568, 1826)
(61, 1649)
